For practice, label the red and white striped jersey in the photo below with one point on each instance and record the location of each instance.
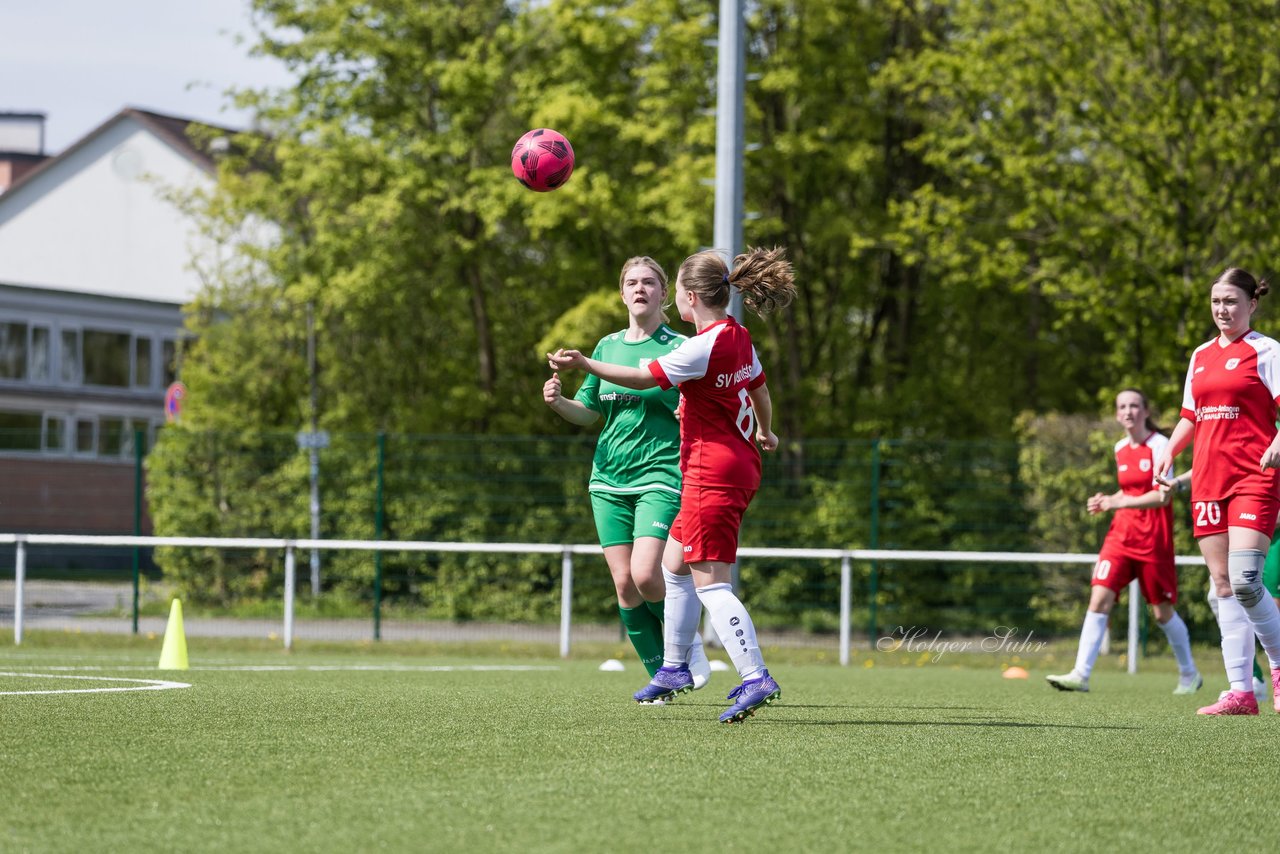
(714, 370)
(1144, 534)
(1231, 394)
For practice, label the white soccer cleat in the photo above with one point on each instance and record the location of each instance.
(1189, 684)
(1069, 682)
(698, 664)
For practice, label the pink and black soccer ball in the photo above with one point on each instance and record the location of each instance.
(542, 160)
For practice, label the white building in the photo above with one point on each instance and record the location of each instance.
(94, 272)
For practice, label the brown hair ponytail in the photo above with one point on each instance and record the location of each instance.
(764, 277)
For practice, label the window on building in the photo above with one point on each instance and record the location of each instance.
(130, 437)
(86, 436)
(55, 433)
(13, 351)
(142, 362)
(19, 431)
(111, 436)
(169, 356)
(71, 372)
(106, 358)
(40, 354)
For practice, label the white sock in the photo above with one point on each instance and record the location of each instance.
(1180, 641)
(681, 612)
(1265, 618)
(1245, 568)
(734, 627)
(1237, 643)
(1095, 626)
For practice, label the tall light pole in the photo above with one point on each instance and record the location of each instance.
(731, 82)
(731, 76)
(314, 445)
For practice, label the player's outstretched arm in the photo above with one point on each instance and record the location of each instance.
(762, 403)
(627, 377)
(573, 411)
(1157, 497)
(1178, 439)
(1271, 456)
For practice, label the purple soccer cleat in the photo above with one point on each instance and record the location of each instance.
(666, 684)
(751, 695)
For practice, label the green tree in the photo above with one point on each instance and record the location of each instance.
(385, 175)
(827, 164)
(1097, 164)
(379, 201)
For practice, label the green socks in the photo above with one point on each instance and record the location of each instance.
(645, 631)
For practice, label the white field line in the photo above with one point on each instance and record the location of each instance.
(162, 685)
(143, 684)
(392, 668)
(316, 668)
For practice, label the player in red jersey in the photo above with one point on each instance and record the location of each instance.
(1139, 545)
(727, 412)
(1229, 406)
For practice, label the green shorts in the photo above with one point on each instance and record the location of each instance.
(1271, 570)
(621, 519)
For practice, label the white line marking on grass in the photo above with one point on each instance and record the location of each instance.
(433, 668)
(144, 684)
(318, 668)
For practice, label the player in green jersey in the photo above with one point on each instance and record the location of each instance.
(635, 476)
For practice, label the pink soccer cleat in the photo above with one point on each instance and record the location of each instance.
(1233, 703)
(1275, 687)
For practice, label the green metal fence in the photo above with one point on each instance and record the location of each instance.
(882, 494)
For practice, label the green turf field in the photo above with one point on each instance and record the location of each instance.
(358, 749)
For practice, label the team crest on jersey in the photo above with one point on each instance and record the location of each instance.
(1231, 364)
(1144, 465)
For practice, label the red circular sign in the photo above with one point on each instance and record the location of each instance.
(173, 397)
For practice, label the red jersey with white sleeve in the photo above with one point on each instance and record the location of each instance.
(1143, 534)
(714, 371)
(1231, 394)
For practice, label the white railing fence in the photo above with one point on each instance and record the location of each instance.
(846, 557)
